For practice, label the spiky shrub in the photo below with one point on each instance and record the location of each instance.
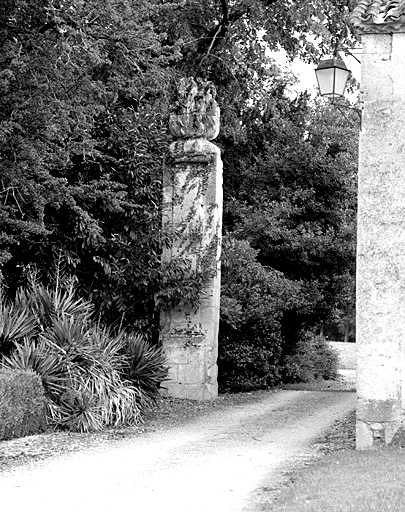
(81, 376)
(36, 356)
(47, 304)
(147, 368)
(22, 404)
(91, 377)
(15, 323)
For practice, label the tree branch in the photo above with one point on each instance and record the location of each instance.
(218, 33)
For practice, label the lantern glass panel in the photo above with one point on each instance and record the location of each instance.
(341, 77)
(332, 75)
(325, 78)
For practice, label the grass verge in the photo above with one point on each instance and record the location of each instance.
(372, 481)
(345, 480)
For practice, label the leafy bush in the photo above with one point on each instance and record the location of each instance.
(81, 166)
(254, 351)
(312, 359)
(92, 378)
(252, 304)
(22, 404)
(244, 367)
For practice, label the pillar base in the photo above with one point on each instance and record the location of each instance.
(377, 423)
(192, 367)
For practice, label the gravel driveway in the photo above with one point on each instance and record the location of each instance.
(225, 461)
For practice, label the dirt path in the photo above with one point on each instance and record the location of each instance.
(226, 461)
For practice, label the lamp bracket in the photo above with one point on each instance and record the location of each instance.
(342, 106)
(349, 51)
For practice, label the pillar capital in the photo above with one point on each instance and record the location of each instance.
(195, 114)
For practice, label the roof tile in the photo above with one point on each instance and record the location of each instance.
(379, 15)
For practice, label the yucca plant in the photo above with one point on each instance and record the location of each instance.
(15, 324)
(118, 399)
(48, 304)
(147, 367)
(79, 410)
(100, 396)
(111, 347)
(91, 377)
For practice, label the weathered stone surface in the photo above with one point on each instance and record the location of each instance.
(380, 307)
(192, 214)
(378, 411)
(399, 438)
(196, 113)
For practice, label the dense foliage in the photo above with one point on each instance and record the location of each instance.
(312, 359)
(253, 301)
(82, 142)
(84, 99)
(291, 192)
(254, 351)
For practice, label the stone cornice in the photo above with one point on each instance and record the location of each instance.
(375, 16)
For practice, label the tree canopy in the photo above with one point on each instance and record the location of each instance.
(85, 89)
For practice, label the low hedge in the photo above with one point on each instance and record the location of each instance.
(22, 404)
(312, 359)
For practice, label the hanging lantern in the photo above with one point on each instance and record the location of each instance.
(332, 76)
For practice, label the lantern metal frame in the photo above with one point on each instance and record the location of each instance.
(332, 76)
(336, 65)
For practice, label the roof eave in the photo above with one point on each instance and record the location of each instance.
(379, 27)
(375, 16)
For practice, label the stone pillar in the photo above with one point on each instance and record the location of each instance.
(192, 217)
(380, 325)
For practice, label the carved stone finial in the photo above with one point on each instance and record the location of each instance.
(195, 113)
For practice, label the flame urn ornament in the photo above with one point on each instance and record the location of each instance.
(195, 113)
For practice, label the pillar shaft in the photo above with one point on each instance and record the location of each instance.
(192, 217)
(380, 325)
